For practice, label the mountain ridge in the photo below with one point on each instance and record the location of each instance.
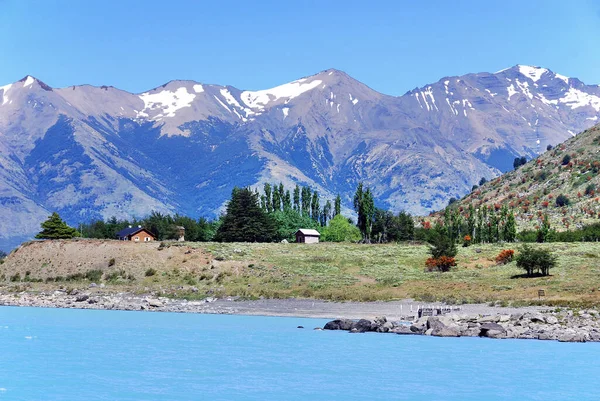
(94, 152)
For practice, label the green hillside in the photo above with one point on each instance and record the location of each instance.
(534, 189)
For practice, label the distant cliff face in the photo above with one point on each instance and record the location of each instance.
(90, 152)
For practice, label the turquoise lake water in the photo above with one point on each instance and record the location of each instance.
(59, 354)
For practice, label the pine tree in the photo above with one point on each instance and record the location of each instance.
(56, 228)
(245, 221)
(337, 208)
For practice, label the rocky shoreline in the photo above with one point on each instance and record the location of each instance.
(476, 321)
(563, 326)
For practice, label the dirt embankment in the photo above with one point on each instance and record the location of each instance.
(61, 258)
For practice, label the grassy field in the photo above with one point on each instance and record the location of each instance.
(396, 271)
(325, 271)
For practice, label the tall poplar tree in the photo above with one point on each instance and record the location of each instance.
(297, 198)
(337, 208)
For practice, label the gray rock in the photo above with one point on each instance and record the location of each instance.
(82, 298)
(551, 319)
(364, 325)
(403, 329)
(155, 303)
(339, 324)
(93, 285)
(385, 327)
(446, 331)
(571, 337)
(492, 330)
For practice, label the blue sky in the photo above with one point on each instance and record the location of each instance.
(392, 46)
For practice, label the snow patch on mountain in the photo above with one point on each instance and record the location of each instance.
(166, 101)
(534, 73)
(575, 98)
(511, 91)
(5, 90)
(198, 88)
(562, 77)
(260, 99)
(28, 81)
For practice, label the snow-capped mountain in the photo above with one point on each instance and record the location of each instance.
(91, 152)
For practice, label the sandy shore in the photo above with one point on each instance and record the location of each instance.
(393, 310)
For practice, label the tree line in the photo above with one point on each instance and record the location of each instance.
(274, 214)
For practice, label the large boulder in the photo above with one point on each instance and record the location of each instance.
(363, 325)
(570, 337)
(446, 331)
(339, 324)
(404, 329)
(442, 327)
(492, 330)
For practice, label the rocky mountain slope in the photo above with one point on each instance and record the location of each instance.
(90, 152)
(570, 169)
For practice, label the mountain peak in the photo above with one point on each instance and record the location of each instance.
(29, 80)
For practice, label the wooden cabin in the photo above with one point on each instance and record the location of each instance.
(307, 236)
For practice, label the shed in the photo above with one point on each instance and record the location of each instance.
(307, 236)
(135, 234)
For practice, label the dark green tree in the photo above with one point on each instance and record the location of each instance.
(245, 221)
(364, 204)
(56, 228)
(276, 200)
(337, 208)
(510, 228)
(315, 208)
(535, 260)
(543, 230)
(297, 198)
(306, 200)
(562, 200)
(287, 201)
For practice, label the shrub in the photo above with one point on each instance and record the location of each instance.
(535, 260)
(94, 275)
(443, 250)
(111, 262)
(562, 200)
(505, 256)
(150, 272)
(467, 240)
(566, 160)
(442, 264)
(589, 190)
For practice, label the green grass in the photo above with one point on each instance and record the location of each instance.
(344, 271)
(396, 271)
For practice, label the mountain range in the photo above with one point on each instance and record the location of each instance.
(96, 152)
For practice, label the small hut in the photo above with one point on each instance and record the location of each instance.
(307, 236)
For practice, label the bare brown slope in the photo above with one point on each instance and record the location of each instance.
(50, 259)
